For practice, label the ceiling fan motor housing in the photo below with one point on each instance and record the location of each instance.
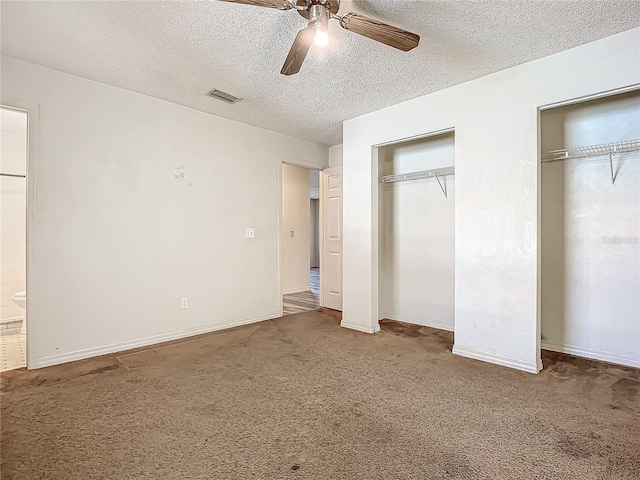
(306, 7)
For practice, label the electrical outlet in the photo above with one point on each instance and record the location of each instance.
(249, 233)
(292, 234)
(184, 303)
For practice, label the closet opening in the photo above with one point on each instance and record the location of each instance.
(590, 229)
(416, 244)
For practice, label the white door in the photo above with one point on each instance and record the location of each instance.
(331, 269)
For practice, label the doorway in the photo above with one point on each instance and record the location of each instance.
(13, 237)
(300, 239)
(314, 226)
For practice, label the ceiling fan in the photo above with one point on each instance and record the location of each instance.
(318, 13)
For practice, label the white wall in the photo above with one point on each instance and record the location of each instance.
(295, 217)
(335, 156)
(140, 202)
(417, 278)
(13, 201)
(590, 234)
(496, 199)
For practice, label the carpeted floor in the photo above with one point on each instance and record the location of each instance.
(301, 397)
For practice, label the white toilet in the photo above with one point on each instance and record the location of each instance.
(20, 299)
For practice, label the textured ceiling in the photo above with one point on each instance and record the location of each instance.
(178, 51)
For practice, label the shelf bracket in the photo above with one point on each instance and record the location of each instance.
(613, 175)
(443, 185)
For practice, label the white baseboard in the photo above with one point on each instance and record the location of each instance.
(287, 291)
(359, 327)
(593, 354)
(518, 364)
(143, 342)
(424, 322)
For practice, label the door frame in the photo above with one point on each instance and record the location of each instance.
(33, 130)
(295, 162)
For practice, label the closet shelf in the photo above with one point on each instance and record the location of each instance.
(436, 172)
(608, 149)
(433, 173)
(627, 146)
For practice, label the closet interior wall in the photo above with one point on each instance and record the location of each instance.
(590, 230)
(417, 234)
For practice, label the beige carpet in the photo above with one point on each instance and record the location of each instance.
(301, 397)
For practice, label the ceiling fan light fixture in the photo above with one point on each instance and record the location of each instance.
(322, 38)
(319, 19)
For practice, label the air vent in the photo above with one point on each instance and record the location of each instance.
(225, 97)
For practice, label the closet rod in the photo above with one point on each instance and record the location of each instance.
(12, 175)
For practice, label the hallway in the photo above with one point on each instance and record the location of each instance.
(304, 301)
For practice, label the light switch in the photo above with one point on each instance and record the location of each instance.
(249, 233)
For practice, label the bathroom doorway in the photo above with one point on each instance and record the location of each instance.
(300, 239)
(13, 237)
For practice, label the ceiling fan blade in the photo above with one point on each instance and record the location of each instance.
(281, 4)
(298, 51)
(380, 32)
